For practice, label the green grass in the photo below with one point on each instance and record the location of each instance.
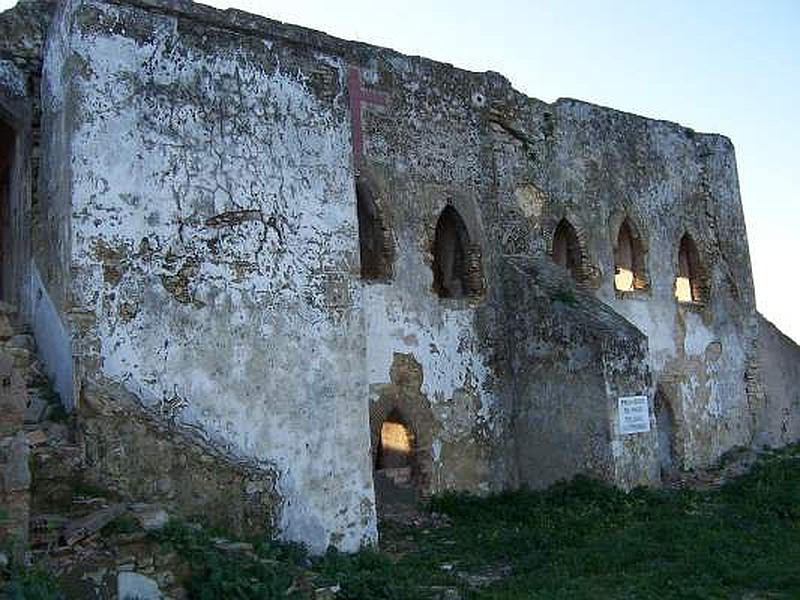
(584, 539)
(272, 570)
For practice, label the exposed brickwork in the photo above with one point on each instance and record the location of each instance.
(142, 458)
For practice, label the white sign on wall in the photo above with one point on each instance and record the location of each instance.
(634, 415)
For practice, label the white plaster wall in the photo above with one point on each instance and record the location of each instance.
(213, 235)
(441, 336)
(53, 343)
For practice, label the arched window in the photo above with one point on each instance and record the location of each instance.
(456, 262)
(629, 260)
(689, 286)
(396, 444)
(567, 249)
(374, 241)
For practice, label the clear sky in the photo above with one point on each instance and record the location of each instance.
(722, 66)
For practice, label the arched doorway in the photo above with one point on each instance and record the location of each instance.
(629, 259)
(396, 469)
(666, 429)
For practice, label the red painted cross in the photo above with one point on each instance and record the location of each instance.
(359, 97)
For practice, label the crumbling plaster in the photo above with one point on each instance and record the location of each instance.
(199, 240)
(213, 241)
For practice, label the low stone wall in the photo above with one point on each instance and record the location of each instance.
(141, 457)
(778, 364)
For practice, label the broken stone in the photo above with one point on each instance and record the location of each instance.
(150, 517)
(91, 524)
(21, 356)
(45, 529)
(17, 474)
(227, 546)
(6, 331)
(327, 593)
(35, 411)
(7, 310)
(36, 437)
(22, 340)
(134, 586)
(56, 432)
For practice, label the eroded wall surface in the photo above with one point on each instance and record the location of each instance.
(597, 167)
(212, 242)
(202, 248)
(519, 391)
(778, 368)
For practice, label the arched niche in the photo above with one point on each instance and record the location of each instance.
(667, 432)
(690, 280)
(457, 266)
(374, 238)
(566, 251)
(630, 264)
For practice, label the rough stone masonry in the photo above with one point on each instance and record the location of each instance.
(342, 269)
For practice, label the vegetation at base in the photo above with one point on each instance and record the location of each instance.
(270, 570)
(565, 296)
(30, 584)
(123, 524)
(582, 539)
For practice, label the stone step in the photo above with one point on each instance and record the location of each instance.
(401, 476)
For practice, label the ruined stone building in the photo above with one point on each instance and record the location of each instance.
(269, 270)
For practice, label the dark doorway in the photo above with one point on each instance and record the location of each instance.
(7, 153)
(395, 469)
(567, 249)
(665, 423)
(374, 244)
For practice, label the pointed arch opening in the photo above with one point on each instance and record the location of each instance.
(567, 249)
(629, 259)
(395, 444)
(667, 432)
(690, 280)
(397, 475)
(457, 269)
(374, 239)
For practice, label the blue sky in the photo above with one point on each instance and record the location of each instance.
(727, 67)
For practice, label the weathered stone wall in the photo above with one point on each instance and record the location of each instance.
(569, 360)
(596, 167)
(15, 476)
(22, 35)
(141, 457)
(210, 262)
(778, 373)
(212, 250)
(436, 143)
